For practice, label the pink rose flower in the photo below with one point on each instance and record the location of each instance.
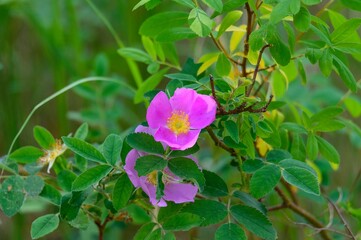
(174, 189)
(178, 121)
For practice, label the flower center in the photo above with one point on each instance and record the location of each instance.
(152, 177)
(178, 123)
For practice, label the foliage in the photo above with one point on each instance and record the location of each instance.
(274, 134)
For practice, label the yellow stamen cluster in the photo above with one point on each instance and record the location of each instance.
(51, 154)
(152, 177)
(178, 123)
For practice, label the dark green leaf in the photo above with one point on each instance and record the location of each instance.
(312, 147)
(90, 177)
(43, 137)
(84, 149)
(277, 155)
(160, 186)
(111, 148)
(230, 231)
(149, 84)
(250, 201)
(301, 178)
(144, 231)
(302, 20)
(144, 142)
(211, 212)
(149, 163)
(12, 195)
(184, 153)
(186, 168)
(328, 151)
(352, 4)
(252, 165)
(233, 130)
(287, 163)
(26, 154)
(44, 225)
(65, 179)
(51, 194)
(122, 191)
(254, 221)
(215, 185)
(345, 74)
(265, 180)
(182, 222)
(215, 4)
(135, 54)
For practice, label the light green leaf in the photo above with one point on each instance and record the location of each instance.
(230, 231)
(264, 180)
(84, 149)
(82, 131)
(90, 177)
(345, 74)
(111, 148)
(199, 22)
(43, 137)
(122, 191)
(288, 163)
(144, 231)
(26, 154)
(302, 20)
(144, 142)
(187, 3)
(223, 65)
(135, 54)
(312, 147)
(215, 4)
(149, 47)
(149, 163)
(329, 125)
(301, 178)
(328, 151)
(44, 225)
(353, 105)
(254, 221)
(149, 84)
(140, 3)
(228, 21)
(280, 11)
(326, 114)
(345, 31)
(181, 77)
(175, 34)
(33, 185)
(326, 62)
(186, 168)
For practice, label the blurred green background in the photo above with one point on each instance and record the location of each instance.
(46, 44)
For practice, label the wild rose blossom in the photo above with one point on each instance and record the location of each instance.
(178, 121)
(174, 189)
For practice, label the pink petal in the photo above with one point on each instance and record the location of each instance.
(180, 142)
(130, 160)
(180, 192)
(159, 111)
(183, 99)
(144, 129)
(203, 112)
(150, 190)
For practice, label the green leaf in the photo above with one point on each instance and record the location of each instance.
(51, 194)
(43, 137)
(265, 180)
(71, 203)
(215, 185)
(277, 155)
(302, 20)
(298, 149)
(329, 125)
(295, 6)
(233, 130)
(345, 74)
(187, 3)
(135, 54)
(353, 105)
(352, 4)
(252, 165)
(181, 77)
(287, 163)
(160, 186)
(122, 191)
(326, 114)
(160, 22)
(311, 2)
(26, 154)
(82, 131)
(199, 22)
(33, 185)
(293, 127)
(312, 147)
(215, 4)
(140, 3)
(186, 168)
(111, 148)
(81, 221)
(228, 21)
(90, 177)
(144, 142)
(149, 84)
(328, 151)
(301, 178)
(149, 163)
(65, 179)
(250, 201)
(230, 231)
(211, 212)
(84, 149)
(302, 72)
(144, 231)
(345, 31)
(182, 222)
(223, 65)
(313, 55)
(12, 195)
(280, 52)
(44, 225)
(254, 221)
(326, 62)
(184, 153)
